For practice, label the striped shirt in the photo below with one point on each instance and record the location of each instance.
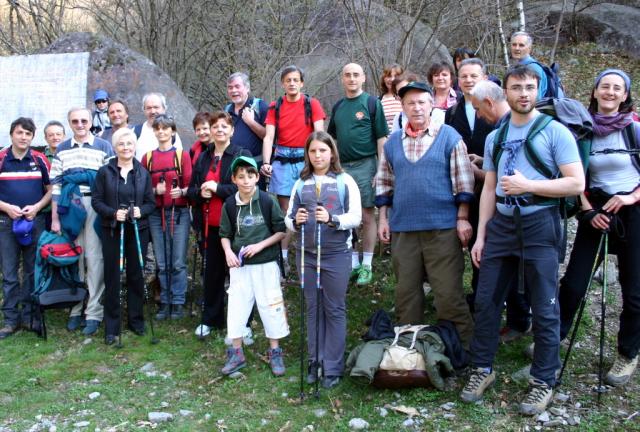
(92, 154)
(391, 107)
(414, 148)
(23, 181)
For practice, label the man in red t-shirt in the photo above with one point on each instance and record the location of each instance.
(290, 120)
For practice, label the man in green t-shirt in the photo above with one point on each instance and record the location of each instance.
(359, 126)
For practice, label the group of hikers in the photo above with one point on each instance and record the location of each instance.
(458, 162)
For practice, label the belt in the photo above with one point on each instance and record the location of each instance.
(530, 200)
(84, 194)
(286, 160)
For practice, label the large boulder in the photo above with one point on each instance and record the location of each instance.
(126, 75)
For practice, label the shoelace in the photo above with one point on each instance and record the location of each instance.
(537, 393)
(476, 380)
(619, 365)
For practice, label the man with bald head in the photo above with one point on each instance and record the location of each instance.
(359, 126)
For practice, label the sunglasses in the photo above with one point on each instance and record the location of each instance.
(99, 101)
(79, 121)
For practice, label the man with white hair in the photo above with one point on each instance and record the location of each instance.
(521, 45)
(153, 104)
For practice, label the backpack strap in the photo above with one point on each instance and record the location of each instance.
(307, 110)
(177, 162)
(299, 184)
(266, 205)
(3, 154)
(532, 155)
(498, 139)
(149, 159)
(631, 136)
(255, 106)
(372, 103)
(228, 107)
(137, 129)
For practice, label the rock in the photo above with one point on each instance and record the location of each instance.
(449, 416)
(186, 413)
(522, 375)
(308, 428)
(561, 397)
(81, 424)
(578, 405)
(53, 428)
(158, 417)
(408, 423)
(448, 406)
(164, 404)
(148, 367)
(264, 422)
(358, 424)
(94, 395)
(573, 420)
(207, 417)
(557, 411)
(285, 395)
(319, 412)
(552, 423)
(95, 381)
(383, 412)
(543, 417)
(87, 341)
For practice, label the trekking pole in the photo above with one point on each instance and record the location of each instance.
(205, 231)
(164, 244)
(169, 268)
(583, 303)
(302, 310)
(318, 297)
(194, 264)
(120, 291)
(154, 340)
(603, 310)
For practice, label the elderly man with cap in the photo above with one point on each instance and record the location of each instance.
(100, 117)
(423, 188)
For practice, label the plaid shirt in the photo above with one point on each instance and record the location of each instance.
(414, 148)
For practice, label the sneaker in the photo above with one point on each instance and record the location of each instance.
(7, 331)
(479, 381)
(91, 328)
(203, 330)
(75, 322)
(355, 272)
(163, 312)
(537, 398)
(177, 312)
(247, 336)
(364, 275)
(330, 381)
(235, 361)
(621, 371)
(276, 361)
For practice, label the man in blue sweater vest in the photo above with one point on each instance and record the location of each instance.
(423, 188)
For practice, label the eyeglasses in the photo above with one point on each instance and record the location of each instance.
(99, 101)
(78, 121)
(125, 144)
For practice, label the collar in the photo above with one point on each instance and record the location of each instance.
(408, 131)
(27, 155)
(88, 141)
(254, 197)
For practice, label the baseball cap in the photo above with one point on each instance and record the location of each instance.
(415, 85)
(243, 161)
(22, 229)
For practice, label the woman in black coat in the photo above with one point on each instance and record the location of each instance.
(210, 186)
(122, 192)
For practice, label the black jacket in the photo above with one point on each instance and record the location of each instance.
(104, 197)
(225, 187)
(456, 117)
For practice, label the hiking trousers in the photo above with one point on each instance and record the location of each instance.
(625, 243)
(542, 236)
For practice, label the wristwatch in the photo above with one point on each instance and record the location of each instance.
(333, 221)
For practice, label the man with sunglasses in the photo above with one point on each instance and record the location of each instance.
(77, 161)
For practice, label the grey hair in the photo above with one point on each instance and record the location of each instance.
(522, 33)
(243, 76)
(54, 123)
(121, 133)
(486, 89)
(473, 61)
(160, 96)
(78, 108)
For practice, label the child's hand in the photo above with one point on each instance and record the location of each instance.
(322, 215)
(232, 259)
(253, 250)
(301, 216)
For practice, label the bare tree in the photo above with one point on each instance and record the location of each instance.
(503, 41)
(521, 20)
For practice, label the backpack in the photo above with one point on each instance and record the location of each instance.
(402, 366)
(340, 184)
(57, 282)
(307, 113)
(631, 136)
(555, 89)
(255, 106)
(177, 163)
(579, 123)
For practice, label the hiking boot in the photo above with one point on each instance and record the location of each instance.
(8, 330)
(91, 328)
(330, 381)
(621, 371)
(163, 312)
(312, 374)
(177, 312)
(235, 361)
(203, 330)
(364, 275)
(479, 381)
(110, 339)
(276, 361)
(507, 334)
(537, 398)
(75, 322)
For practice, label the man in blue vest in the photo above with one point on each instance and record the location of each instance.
(424, 185)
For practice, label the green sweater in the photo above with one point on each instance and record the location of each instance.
(251, 228)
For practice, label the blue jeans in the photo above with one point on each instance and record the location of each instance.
(165, 247)
(17, 294)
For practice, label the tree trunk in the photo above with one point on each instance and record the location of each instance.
(558, 27)
(521, 22)
(505, 49)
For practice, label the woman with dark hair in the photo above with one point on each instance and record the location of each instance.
(202, 129)
(388, 97)
(325, 203)
(440, 76)
(460, 54)
(123, 194)
(610, 205)
(210, 186)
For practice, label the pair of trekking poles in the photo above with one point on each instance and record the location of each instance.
(601, 254)
(168, 264)
(317, 365)
(134, 221)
